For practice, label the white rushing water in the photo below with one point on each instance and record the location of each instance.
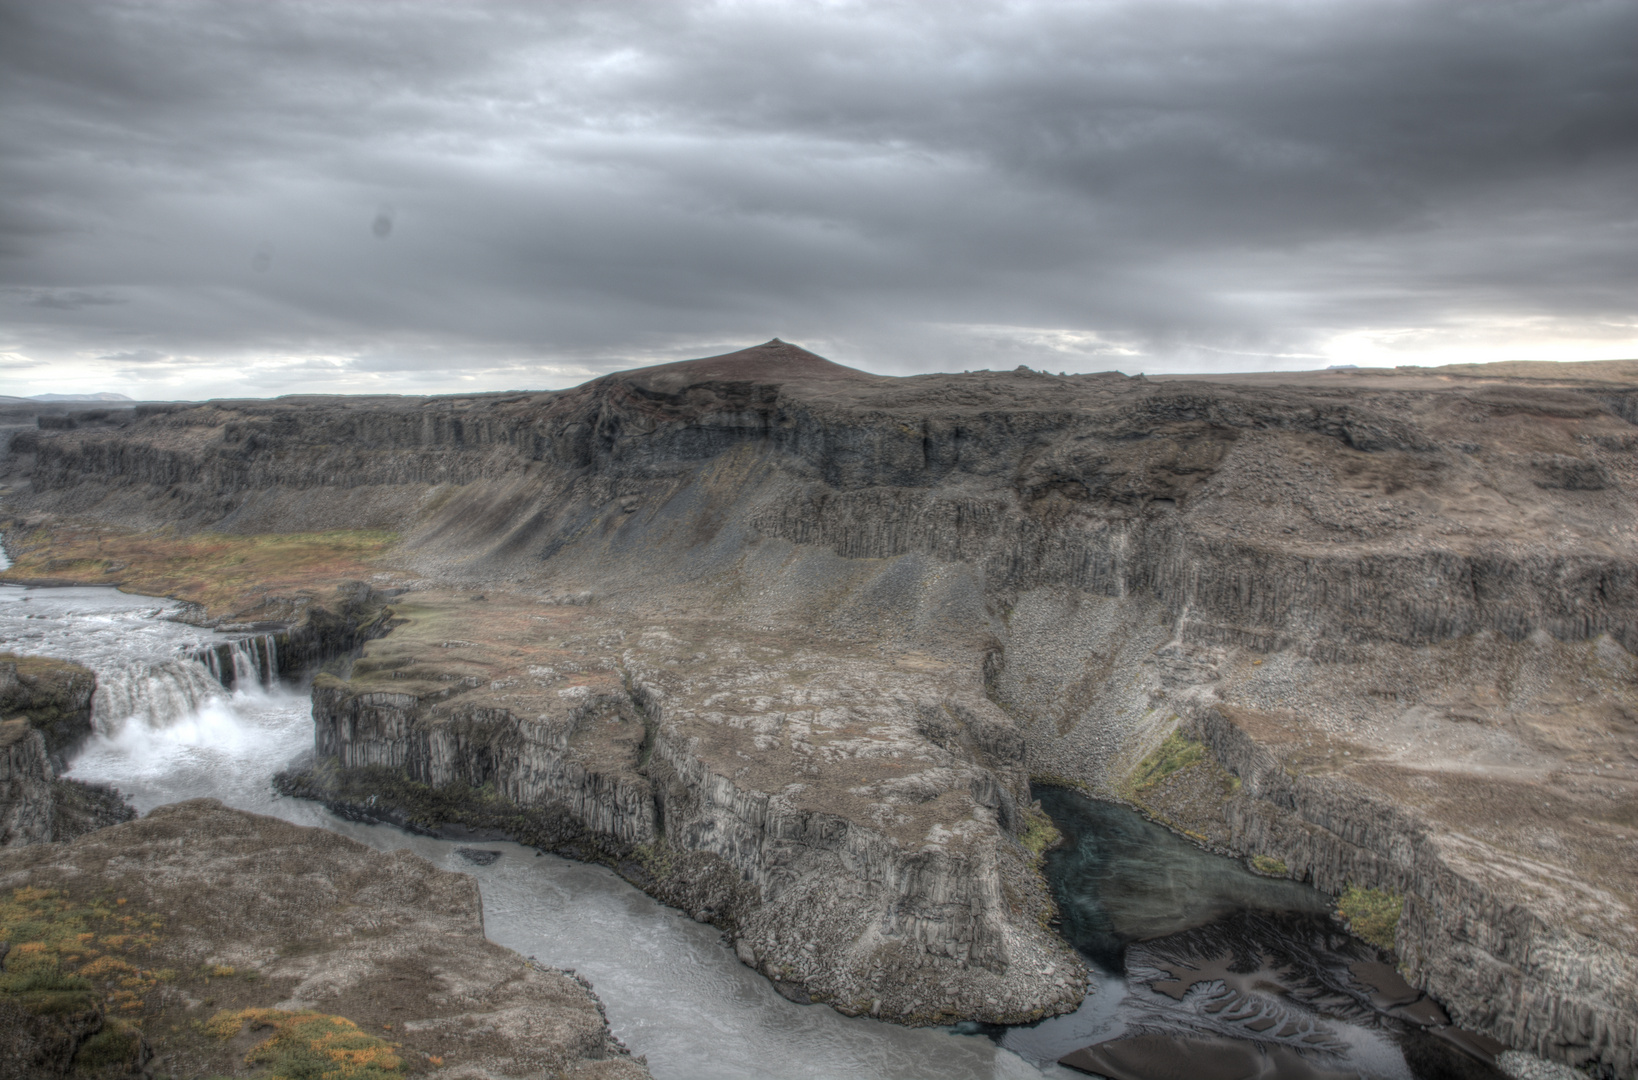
(674, 992)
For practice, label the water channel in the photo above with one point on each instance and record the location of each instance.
(1191, 951)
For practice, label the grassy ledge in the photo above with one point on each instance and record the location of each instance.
(1174, 755)
(223, 573)
(1371, 914)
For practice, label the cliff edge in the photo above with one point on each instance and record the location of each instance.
(1415, 591)
(207, 941)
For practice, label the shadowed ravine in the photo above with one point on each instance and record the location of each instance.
(1208, 970)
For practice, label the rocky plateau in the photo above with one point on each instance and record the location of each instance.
(787, 642)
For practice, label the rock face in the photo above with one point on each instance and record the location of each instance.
(1429, 575)
(27, 803)
(53, 696)
(849, 821)
(47, 714)
(221, 936)
(1526, 972)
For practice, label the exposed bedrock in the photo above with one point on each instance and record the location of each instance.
(52, 696)
(45, 714)
(202, 939)
(1266, 515)
(1490, 781)
(849, 820)
(27, 805)
(1431, 575)
(293, 636)
(1515, 965)
(37, 806)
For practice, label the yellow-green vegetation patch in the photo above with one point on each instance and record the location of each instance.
(223, 572)
(65, 956)
(1267, 864)
(1174, 755)
(307, 1045)
(1371, 914)
(1039, 832)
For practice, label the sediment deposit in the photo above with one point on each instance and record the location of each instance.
(1414, 591)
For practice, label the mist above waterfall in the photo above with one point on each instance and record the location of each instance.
(226, 747)
(180, 712)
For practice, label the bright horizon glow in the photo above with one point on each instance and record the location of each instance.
(259, 376)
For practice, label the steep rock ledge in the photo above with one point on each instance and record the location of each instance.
(1484, 931)
(46, 715)
(872, 808)
(53, 696)
(849, 822)
(306, 631)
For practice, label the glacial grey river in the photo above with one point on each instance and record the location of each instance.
(1192, 951)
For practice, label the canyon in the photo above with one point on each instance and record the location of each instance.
(786, 644)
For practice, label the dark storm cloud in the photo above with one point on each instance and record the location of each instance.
(911, 185)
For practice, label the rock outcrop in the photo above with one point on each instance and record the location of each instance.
(850, 821)
(1468, 932)
(52, 696)
(201, 939)
(45, 714)
(1106, 557)
(27, 802)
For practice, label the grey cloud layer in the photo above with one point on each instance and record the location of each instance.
(399, 185)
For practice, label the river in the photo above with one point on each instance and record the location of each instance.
(1137, 901)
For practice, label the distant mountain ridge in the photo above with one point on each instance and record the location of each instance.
(8, 399)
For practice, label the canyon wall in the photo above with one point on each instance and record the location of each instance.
(1106, 558)
(45, 714)
(849, 823)
(1507, 967)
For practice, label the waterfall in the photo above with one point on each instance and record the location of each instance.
(247, 662)
(162, 693)
(157, 694)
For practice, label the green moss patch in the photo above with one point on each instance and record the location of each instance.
(1039, 833)
(117, 1048)
(1371, 914)
(63, 955)
(1172, 756)
(1266, 864)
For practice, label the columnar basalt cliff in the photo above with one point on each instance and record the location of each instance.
(848, 821)
(1431, 574)
(1530, 973)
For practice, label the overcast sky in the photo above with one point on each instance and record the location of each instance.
(200, 199)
